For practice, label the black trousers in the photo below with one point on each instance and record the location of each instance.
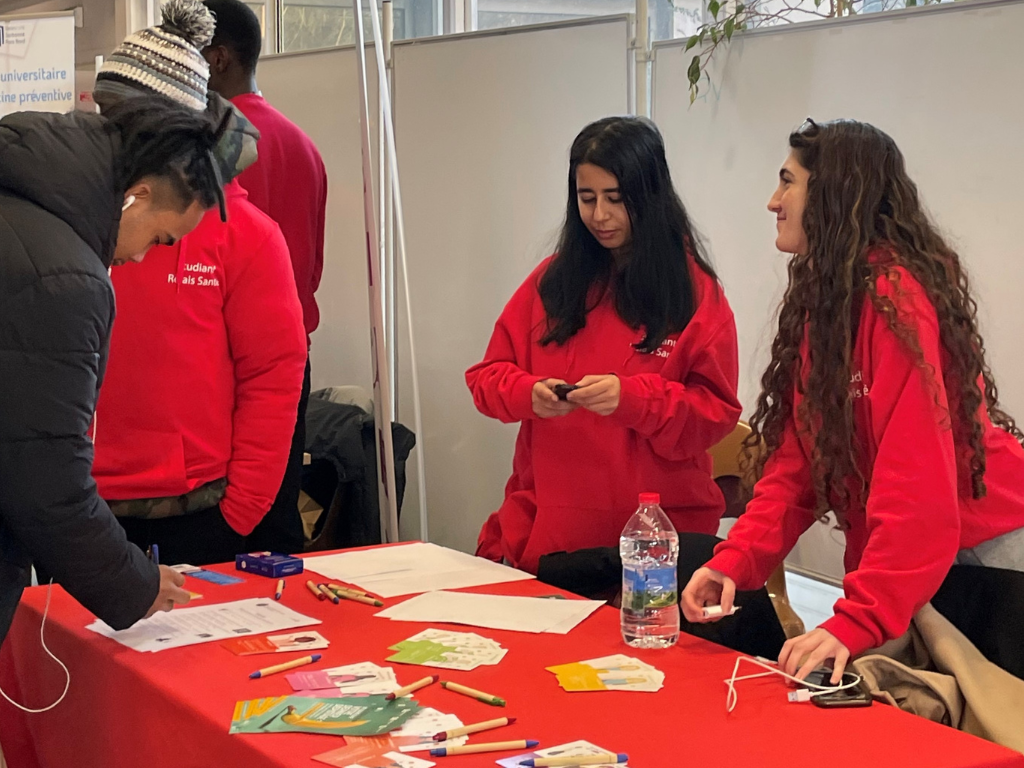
(597, 573)
(281, 529)
(14, 577)
(202, 538)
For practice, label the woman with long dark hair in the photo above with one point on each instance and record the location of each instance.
(629, 313)
(878, 404)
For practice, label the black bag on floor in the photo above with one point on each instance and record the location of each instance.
(987, 605)
(342, 476)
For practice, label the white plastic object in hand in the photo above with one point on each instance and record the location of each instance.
(714, 611)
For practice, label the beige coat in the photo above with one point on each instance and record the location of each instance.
(935, 672)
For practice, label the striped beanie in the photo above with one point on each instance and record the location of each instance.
(166, 59)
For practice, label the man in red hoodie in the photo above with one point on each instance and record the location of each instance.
(195, 419)
(289, 184)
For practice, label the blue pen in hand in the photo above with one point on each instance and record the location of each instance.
(154, 554)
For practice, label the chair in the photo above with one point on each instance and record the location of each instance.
(729, 475)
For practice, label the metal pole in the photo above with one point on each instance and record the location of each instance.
(98, 61)
(399, 220)
(388, 218)
(381, 384)
(642, 46)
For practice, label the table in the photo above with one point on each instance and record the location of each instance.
(172, 709)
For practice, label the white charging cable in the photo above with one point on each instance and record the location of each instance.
(67, 674)
(800, 695)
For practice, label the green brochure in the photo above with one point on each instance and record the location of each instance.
(353, 716)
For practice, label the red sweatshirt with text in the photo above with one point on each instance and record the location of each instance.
(918, 514)
(575, 479)
(207, 357)
(288, 182)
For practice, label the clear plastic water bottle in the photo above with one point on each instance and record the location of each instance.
(649, 547)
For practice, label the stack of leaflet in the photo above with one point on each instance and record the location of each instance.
(363, 716)
(205, 624)
(350, 680)
(572, 749)
(517, 614)
(390, 750)
(609, 673)
(448, 650)
(410, 569)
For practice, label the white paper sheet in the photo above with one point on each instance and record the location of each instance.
(519, 614)
(205, 624)
(412, 568)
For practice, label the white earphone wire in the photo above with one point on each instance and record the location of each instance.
(819, 690)
(42, 640)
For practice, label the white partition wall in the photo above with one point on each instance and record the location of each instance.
(944, 82)
(319, 92)
(484, 125)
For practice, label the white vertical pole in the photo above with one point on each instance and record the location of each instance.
(642, 57)
(388, 496)
(388, 216)
(98, 61)
(399, 219)
(382, 238)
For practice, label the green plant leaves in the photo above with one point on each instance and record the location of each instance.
(713, 8)
(694, 39)
(693, 72)
(730, 27)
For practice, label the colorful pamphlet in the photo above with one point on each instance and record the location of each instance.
(572, 749)
(609, 673)
(363, 716)
(294, 641)
(363, 678)
(448, 650)
(414, 736)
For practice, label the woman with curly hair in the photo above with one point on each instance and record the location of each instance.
(878, 404)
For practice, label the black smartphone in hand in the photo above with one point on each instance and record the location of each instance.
(562, 390)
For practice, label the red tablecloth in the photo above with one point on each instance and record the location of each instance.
(172, 709)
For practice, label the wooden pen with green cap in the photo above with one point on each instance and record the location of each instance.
(486, 698)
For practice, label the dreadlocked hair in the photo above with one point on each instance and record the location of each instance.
(860, 200)
(161, 138)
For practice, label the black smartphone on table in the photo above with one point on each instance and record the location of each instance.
(855, 696)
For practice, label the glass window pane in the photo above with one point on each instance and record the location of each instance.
(308, 24)
(675, 18)
(493, 14)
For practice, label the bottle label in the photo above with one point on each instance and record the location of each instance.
(644, 588)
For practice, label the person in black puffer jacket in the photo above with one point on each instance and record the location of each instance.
(77, 193)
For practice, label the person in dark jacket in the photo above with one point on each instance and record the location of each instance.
(77, 193)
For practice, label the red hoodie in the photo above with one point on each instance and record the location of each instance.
(288, 182)
(918, 515)
(575, 479)
(207, 357)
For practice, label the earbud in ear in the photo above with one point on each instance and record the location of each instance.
(128, 203)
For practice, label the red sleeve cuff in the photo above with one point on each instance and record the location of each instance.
(241, 523)
(631, 403)
(851, 634)
(733, 564)
(521, 401)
